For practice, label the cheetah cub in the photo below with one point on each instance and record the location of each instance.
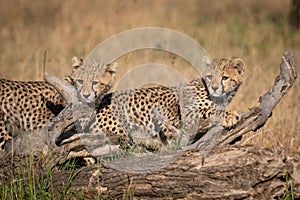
(157, 117)
(26, 106)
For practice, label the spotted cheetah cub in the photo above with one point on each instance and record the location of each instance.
(157, 117)
(26, 106)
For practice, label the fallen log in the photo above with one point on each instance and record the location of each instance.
(230, 172)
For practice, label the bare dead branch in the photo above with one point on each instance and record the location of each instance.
(68, 92)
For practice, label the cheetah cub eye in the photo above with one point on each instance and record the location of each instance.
(209, 77)
(225, 78)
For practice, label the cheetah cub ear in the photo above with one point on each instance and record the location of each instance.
(76, 62)
(238, 64)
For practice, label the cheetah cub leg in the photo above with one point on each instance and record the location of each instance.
(230, 119)
(4, 134)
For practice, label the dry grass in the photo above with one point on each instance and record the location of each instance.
(254, 30)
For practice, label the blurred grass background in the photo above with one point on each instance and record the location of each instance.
(257, 31)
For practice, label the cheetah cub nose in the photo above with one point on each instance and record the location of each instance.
(86, 96)
(215, 88)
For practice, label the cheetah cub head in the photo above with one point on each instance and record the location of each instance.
(92, 78)
(224, 78)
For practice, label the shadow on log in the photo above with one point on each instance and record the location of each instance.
(208, 169)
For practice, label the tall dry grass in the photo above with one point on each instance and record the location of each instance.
(257, 31)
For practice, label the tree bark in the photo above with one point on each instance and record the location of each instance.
(247, 172)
